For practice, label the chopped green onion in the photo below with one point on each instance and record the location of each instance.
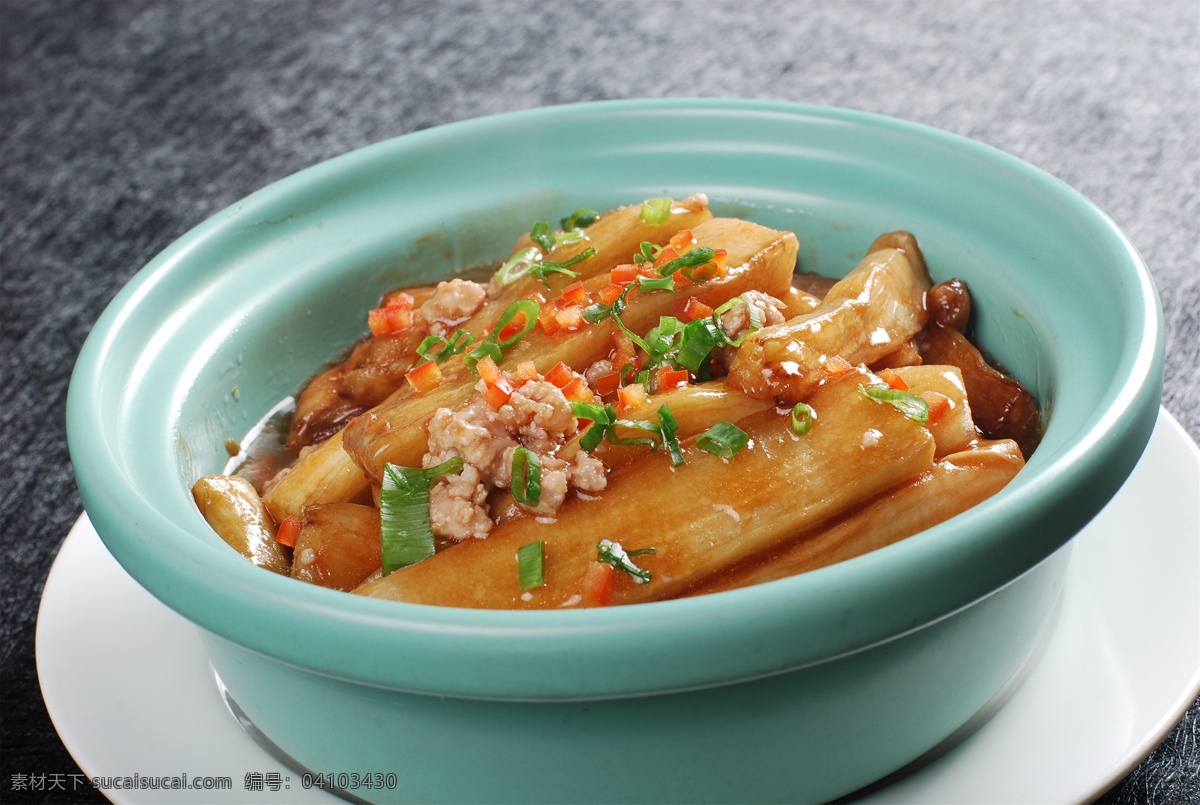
(526, 477)
(596, 412)
(531, 565)
(486, 348)
(656, 284)
(723, 439)
(699, 339)
(802, 418)
(656, 211)
(492, 345)
(540, 270)
(911, 405)
(541, 234)
(693, 259)
(453, 346)
(618, 307)
(597, 313)
(602, 415)
(530, 308)
(647, 253)
(668, 426)
(590, 440)
(662, 339)
(613, 554)
(653, 440)
(755, 320)
(580, 219)
(569, 237)
(405, 532)
(518, 265)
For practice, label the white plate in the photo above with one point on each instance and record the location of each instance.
(129, 688)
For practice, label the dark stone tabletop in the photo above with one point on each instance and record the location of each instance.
(124, 124)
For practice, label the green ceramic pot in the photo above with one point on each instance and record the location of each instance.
(805, 688)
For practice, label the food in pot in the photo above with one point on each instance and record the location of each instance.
(640, 405)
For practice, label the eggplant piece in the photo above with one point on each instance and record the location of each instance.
(234, 510)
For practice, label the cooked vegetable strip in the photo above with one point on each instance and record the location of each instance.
(320, 411)
(338, 546)
(1002, 407)
(324, 475)
(797, 302)
(708, 513)
(233, 509)
(374, 369)
(614, 235)
(758, 257)
(952, 485)
(869, 314)
(954, 429)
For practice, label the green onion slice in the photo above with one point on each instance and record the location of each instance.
(668, 426)
(593, 411)
(602, 415)
(613, 554)
(911, 405)
(656, 283)
(405, 533)
(492, 346)
(531, 565)
(518, 265)
(452, 346)
(580, 219)
(802, 418)
(723, 439)
(570, 236)
(656, 211)
(526, 477)
(590, 440)
(755, 320)
(530, 308)
(487, 348)
(597, 313)
(653, 439)
(541, 234)
(618, 307)
(662, 339)
(693, 259)
(647, 253)
(699, 339)
(540, 270)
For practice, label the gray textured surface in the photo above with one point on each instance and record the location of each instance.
(125, 124)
